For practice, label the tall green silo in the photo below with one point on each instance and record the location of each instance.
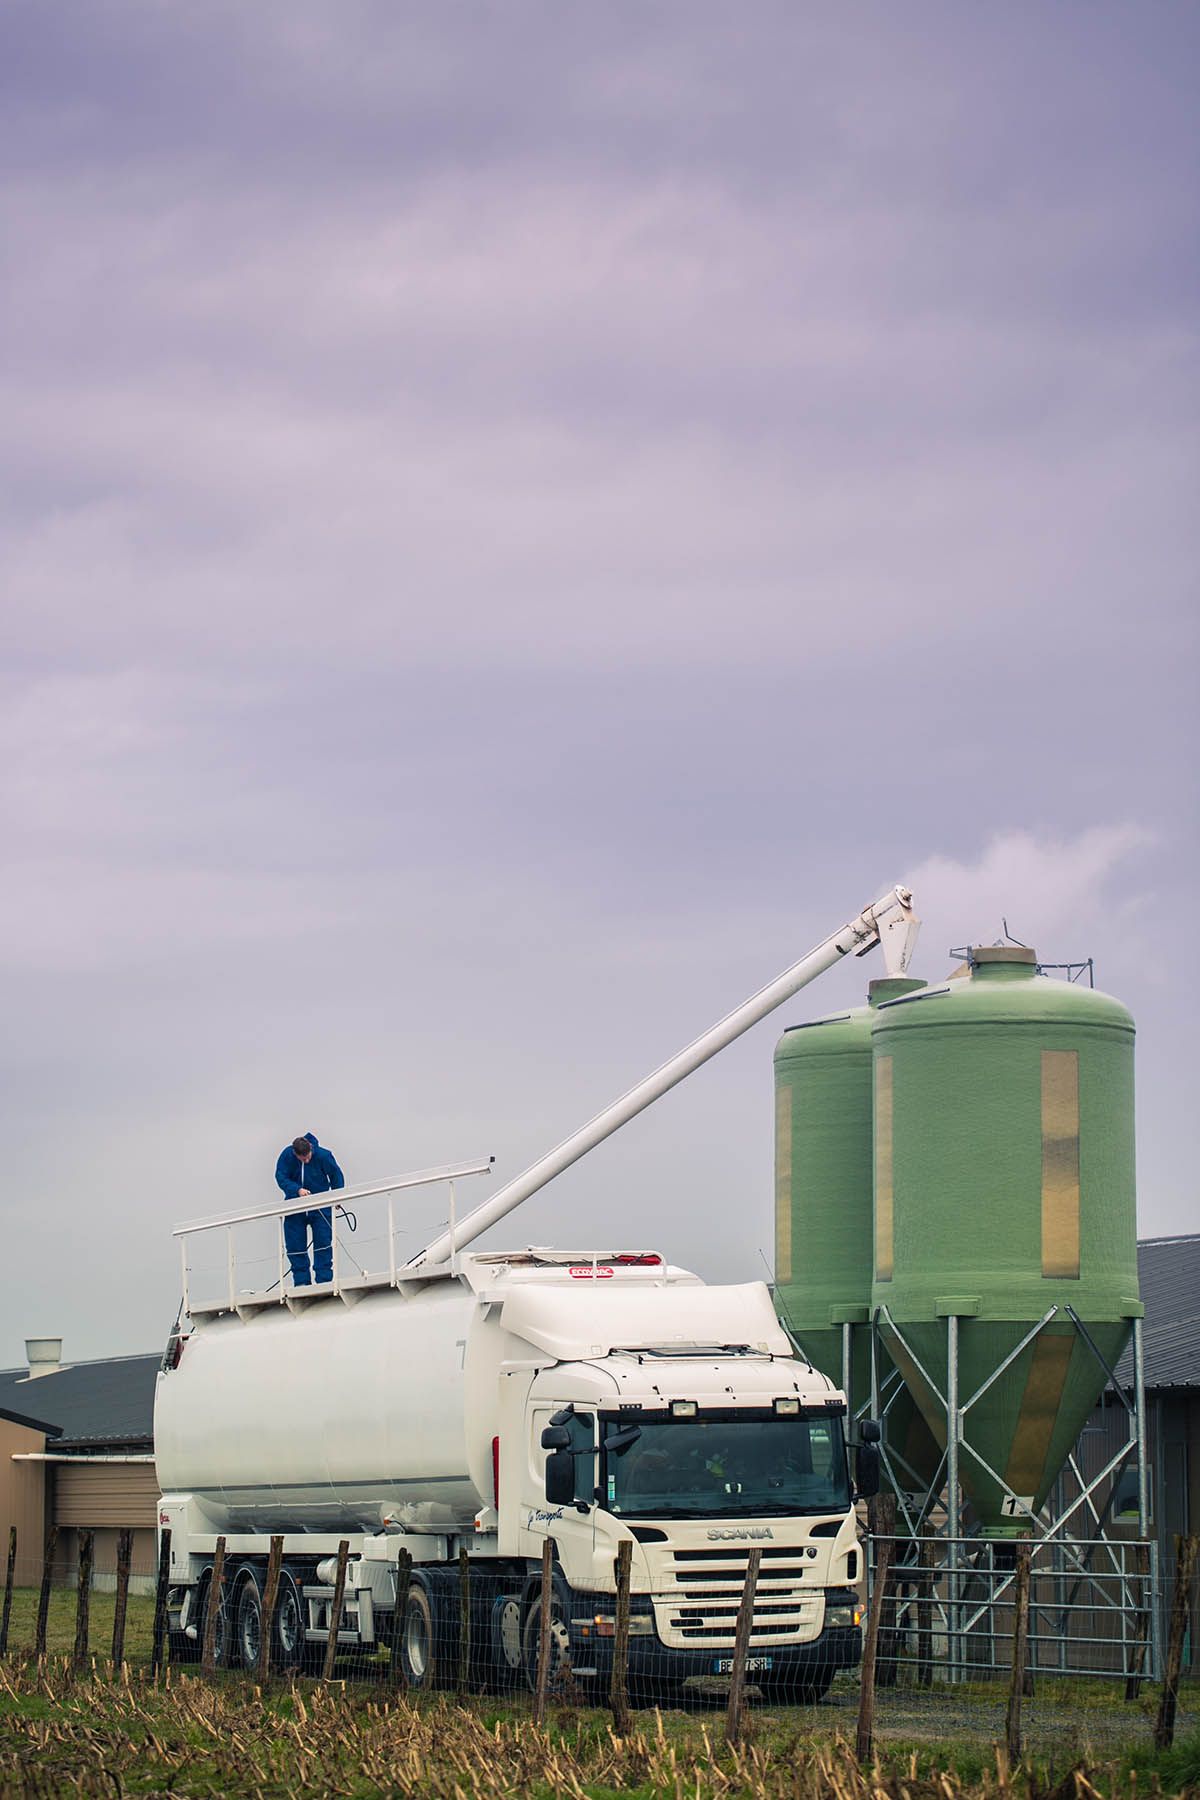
(1004, 1186)
(823, 1202)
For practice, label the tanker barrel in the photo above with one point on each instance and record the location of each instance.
(890, 921)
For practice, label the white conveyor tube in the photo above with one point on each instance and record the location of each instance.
(889, 921)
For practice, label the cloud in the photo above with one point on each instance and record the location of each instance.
(1067, 896)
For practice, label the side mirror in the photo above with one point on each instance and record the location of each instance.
(869, 1432)
(556, 1437)
(866, 1467)
(560, 1478)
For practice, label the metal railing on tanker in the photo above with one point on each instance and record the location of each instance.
(235, 1260)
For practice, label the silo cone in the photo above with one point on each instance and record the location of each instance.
(1004, 1185)
(823, 1202)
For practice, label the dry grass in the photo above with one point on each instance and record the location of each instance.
(90, 1735)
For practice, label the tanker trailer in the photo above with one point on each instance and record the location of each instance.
(676, 1416)
(490, 1402)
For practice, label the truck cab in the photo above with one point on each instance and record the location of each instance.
(680, 1420)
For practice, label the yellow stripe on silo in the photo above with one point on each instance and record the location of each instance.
(1060, 1163)
(1039, 1410)
(884, 1210)
(783, 1184)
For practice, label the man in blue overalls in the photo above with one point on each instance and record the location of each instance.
(304, 1168)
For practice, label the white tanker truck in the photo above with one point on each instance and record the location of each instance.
(488, 1402)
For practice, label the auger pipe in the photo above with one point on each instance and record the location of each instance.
(890, 921)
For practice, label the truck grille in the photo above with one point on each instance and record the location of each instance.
(700, 1602)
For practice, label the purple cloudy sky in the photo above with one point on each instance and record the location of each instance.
(516, 521)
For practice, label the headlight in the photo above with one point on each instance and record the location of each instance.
(838, 1617)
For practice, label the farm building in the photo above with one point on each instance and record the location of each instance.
(1169, 1276)
(77, 1452)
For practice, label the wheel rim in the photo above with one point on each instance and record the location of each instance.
(560, 1644)
(221, 1633)
(510, 1635)
(250, 1626)
(288, 1631)
(416, 1641)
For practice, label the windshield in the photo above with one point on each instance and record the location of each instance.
(724, 1468)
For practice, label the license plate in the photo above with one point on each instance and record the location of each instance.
(723, 1665)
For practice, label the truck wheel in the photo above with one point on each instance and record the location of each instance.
(507, 1671)
(247, 1620)
(560, 1642)
(222, 1635)
(418, 1648)
(289, 1643)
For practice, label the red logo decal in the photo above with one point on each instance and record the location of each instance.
(585, 1273)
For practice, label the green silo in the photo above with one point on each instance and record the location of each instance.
(823, 1201)
(1004, 1185)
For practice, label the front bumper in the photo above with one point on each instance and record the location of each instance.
(778, 1665)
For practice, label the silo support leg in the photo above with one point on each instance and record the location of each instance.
(953, 1501)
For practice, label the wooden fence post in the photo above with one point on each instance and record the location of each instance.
(400, 1626)
(158, 1647)
(121, 1600)
(83, 1596)
(741, 1647)
(9, 1578)
(618, 1693)
(270, 1600)
(43, 1611)
(216, 1603)
(1020, 1646)
(884, 1509)
(335, 1610)
(543, 1657)
(464, 1622)
(887, 1642)
(1186, 1549)
(1141, 1627)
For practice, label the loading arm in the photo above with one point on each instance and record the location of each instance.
(890, 922)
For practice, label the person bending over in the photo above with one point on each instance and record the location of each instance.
(304, 1168)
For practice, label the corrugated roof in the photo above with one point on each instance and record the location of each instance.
(106, 1403)
(16, 1418)
(1169, 1274)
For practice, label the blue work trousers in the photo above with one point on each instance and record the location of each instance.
(296, 1227)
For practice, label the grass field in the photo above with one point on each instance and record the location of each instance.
(60, 1623)
(65, 1733)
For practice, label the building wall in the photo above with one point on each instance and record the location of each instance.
(22, 1501)
(1173, 1458)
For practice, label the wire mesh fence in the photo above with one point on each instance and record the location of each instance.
(517, 1636)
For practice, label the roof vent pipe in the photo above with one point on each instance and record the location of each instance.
(44, 1356)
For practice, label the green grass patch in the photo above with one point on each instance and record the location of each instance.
(60, 1624)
